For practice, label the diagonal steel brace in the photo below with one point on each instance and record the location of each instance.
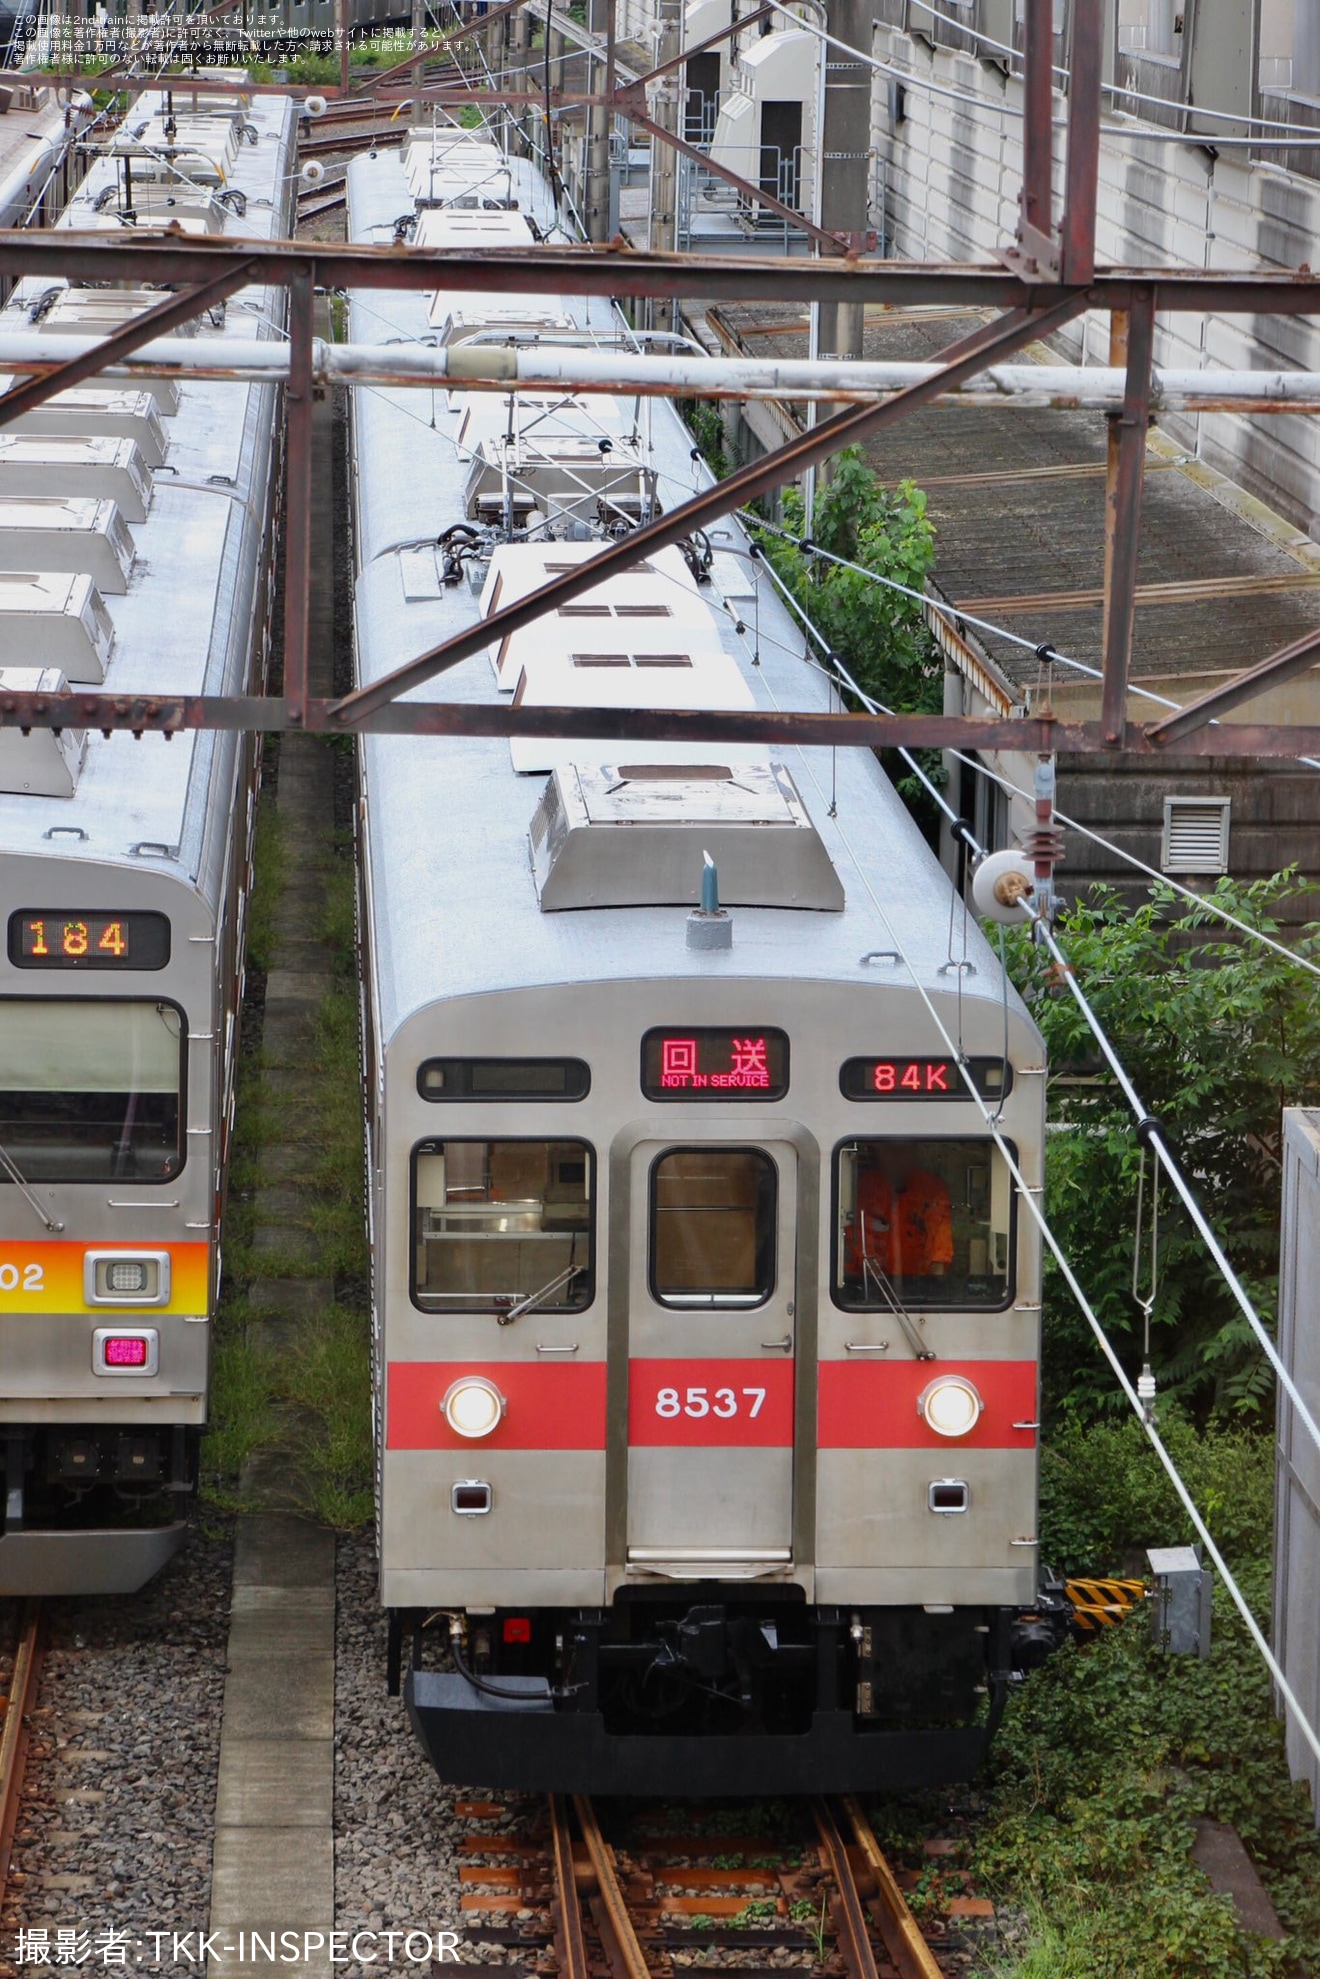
(155, 322)
(1289, 661)
(985, 345)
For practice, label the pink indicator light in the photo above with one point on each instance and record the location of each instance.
(126, 1350)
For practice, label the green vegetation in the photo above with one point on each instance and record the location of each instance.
(1109, 1755)
(706, 422)
(879, 634)
(328, 1377)
(310, 1397)
(1218, 1034)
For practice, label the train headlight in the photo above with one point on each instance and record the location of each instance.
(473, 1406)
(126, 1278)
(951, 1405)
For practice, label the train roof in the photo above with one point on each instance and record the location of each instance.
(183, 624)
(454, 897)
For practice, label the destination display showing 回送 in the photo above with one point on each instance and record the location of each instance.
(707, 1063)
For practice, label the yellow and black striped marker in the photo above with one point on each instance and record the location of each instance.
(1103, 1604)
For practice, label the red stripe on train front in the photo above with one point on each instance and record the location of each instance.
(549, 1408)
(708, 1404)
(870, 1407)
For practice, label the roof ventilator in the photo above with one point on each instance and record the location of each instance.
(628, 836)
(41, 762)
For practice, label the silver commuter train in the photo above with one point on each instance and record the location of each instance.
(706, 1328)
(136, 548)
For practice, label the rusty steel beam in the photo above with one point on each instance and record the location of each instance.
(1123, 516)
(1289, 661)
(166, 315)
(1082, 178)
(298, 401)
(1036, 218)
(962, 360)
(151, 714)
(615, 271)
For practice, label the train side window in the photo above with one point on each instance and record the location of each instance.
(92, 1088)
(713, 1215)
(922, 1223)
(499, 1225)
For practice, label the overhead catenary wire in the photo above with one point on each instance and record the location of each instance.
(953, 614)
(1148, 1128)
(1037, 1213)
(1029, 1196)
(1156, 132)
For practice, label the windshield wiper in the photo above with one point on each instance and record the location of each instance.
(11, 1169)
(533, 1299)
(872, 1274)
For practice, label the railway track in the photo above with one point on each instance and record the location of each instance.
(655, 1904)
(21, 1696)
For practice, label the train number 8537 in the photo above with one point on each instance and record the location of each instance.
(701, 1402)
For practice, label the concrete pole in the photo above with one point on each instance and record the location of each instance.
(666, 99)
(600, 19)
(844, 161)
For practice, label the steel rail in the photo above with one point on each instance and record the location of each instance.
(850, 1918)
(898, 1927)
(14, 1738)
(566, 1909)
(622, 1948)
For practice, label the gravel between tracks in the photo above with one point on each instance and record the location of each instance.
(115, 1828)
(396, 1832)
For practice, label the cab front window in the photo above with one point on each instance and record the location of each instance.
(91, 1088)
(921, 1223)
(502, 1226)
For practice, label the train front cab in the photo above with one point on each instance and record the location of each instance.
(685, 1495)
(111, 1110)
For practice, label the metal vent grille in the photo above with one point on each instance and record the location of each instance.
(1195, 835)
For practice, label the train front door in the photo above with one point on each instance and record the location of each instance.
(711, 1354)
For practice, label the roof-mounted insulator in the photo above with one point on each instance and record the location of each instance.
(709, 926)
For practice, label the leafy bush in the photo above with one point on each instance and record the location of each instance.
(1104, 1494)
(880, 634)
(1218, 1035)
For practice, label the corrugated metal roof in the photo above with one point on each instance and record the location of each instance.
(1017, 498)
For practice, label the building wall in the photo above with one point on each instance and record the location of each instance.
(1297, 1477)
(952, 170)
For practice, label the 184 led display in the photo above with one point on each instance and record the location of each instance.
(55, 938)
